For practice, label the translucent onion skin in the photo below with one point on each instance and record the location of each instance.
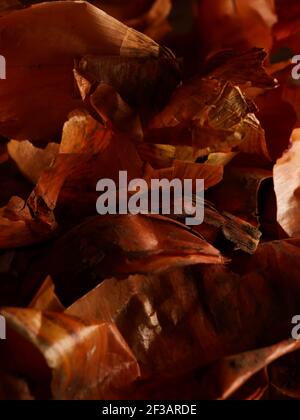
(40, 44)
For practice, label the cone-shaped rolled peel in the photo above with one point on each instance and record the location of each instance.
(40, 46)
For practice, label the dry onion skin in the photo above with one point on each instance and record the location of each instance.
(142, 306)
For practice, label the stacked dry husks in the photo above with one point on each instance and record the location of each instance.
(142, 306)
